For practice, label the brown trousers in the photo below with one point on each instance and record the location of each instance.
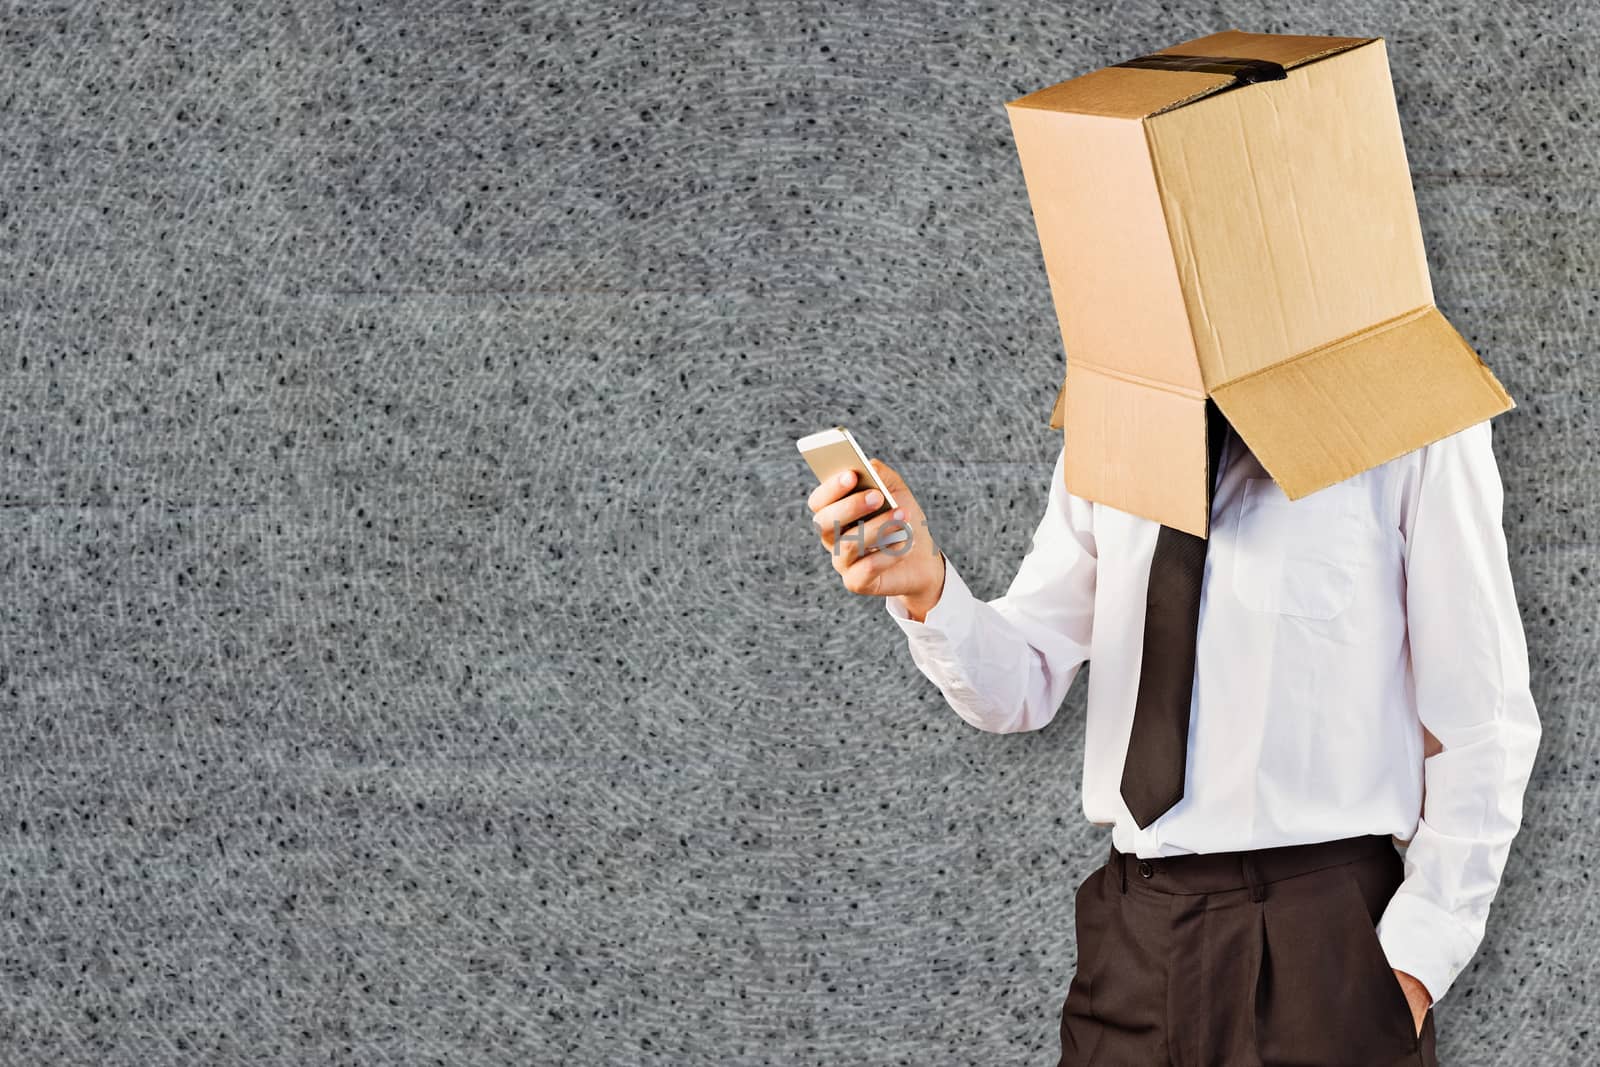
(1240, 958)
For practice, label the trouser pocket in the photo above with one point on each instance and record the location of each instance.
(1325, 993)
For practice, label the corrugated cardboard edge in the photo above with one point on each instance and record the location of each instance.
(1373, 396)
(1057, 412)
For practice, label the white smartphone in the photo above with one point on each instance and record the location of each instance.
(828, 452)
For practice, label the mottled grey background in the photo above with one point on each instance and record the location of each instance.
(413, 647)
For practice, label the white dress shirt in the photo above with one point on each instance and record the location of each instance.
(1333, 629)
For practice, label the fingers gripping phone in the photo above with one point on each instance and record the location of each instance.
(829, 452)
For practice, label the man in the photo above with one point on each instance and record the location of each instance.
(1344, 651)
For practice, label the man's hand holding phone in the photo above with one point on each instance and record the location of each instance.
(913, 569)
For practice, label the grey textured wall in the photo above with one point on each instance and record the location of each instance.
(414, 649)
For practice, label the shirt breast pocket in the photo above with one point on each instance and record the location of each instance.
(1299, 557)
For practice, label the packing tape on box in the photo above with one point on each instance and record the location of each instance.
(1243, 71)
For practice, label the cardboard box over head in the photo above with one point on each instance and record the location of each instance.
(1233, 218)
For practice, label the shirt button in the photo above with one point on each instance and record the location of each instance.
(1145, 870)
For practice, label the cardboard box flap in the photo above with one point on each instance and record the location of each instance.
(1125, 92)
(1138, 449)
(1150, 84)
(1328, 414)
(1286, 50)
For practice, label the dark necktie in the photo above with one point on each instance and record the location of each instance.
(1158, 746)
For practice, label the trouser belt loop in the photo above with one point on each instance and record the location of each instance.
(1122, 872)
(1252, 876)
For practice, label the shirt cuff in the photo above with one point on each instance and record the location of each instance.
(1425, 941)
(950, 619)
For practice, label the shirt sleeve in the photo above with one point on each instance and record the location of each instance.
(1005, 665)
(1469, 662)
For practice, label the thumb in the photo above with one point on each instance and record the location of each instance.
(891, 477)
